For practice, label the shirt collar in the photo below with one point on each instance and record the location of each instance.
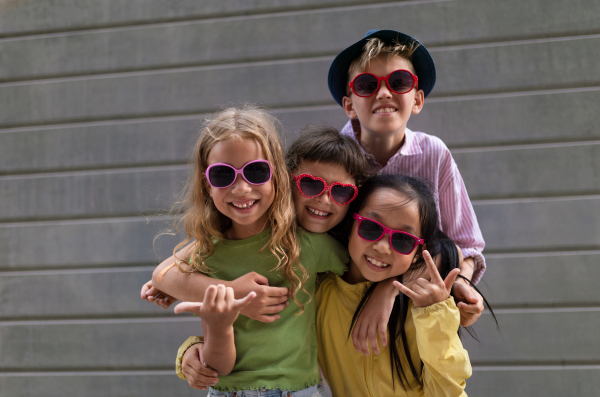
(411, 144)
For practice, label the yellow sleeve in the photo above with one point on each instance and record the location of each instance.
(446, 362)
(192, 340)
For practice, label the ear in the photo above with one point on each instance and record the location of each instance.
(349, 107)
(419, 101)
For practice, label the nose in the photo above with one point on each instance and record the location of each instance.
(324, 197)
(383, 245)
(240, 186)
(384, 90)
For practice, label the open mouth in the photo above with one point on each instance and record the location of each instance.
(376, 263)
(315, 212)
(245, 205)
(385, 110)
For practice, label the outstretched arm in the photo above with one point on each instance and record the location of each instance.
(218, 312)
(191, 287)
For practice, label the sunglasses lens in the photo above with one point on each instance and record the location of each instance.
(400, 81)
(365, 85)
(403, 243)
(221, 176)
(369, 230)
(311, 187)
(342, 194)
(257, 173)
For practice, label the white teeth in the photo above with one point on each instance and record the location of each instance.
(316, 212)
(376, 262)
(245, 205)
(385, 110)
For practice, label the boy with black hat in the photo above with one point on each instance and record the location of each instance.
(380, 81)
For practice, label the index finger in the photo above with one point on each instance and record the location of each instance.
(432, 268)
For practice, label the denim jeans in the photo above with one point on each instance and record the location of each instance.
(313, 391)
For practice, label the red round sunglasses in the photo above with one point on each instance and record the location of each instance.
(399, 81)
(313, 186)
(402, 242)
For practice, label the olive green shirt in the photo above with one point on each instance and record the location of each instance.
(281, 354)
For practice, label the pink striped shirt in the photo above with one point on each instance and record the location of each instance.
(426, 156)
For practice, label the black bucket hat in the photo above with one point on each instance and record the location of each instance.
(421, 60)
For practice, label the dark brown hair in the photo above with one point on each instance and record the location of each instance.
(322, 144)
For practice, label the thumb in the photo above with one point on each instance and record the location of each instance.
(239, 304)
(260, 279)
(192, 307)
(450, 278)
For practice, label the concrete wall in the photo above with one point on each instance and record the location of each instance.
(99, 101)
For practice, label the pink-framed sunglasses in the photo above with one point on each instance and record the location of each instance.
(370, 230)
(313, 186)
(255, 172)
(399, 81)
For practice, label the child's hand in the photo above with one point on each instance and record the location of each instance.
(426, 293)
(373, 318)
(269, 300)
(198, 375)
(219, 309)
(471, 302)
(151, 294)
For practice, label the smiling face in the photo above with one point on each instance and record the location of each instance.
(245, 204)
(320, 214)
(385, 112)
(376, 260)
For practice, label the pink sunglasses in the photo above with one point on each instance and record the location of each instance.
(256, 172)
(402, 242)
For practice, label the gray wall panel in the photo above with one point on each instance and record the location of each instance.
(91, 193)
(471, 122)
(536, 336)
(511, 119)
(273, 36)
(99, 292)
(18, 17)
(531, 171)
(101, 385)
(201, 89)
(532, 280)
(87, 243)
(533, 225)
(537, 381)
(95, 344)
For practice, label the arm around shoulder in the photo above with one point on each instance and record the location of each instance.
(446, 362)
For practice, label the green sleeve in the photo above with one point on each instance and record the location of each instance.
(330, 255)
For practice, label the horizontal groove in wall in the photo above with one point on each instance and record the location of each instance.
(64, 272)
(517, 366)
(91, 372)
(538, 251)
(223, 16)
(546, 310)
(24, 269)
(101, 321)
(531, 146)
(565, 367)
(110, 171)
(535, 199)
(85, 221)
(541, 254)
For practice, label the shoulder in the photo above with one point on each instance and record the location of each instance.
(431, 143)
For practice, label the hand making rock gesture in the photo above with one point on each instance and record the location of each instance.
(426, 293)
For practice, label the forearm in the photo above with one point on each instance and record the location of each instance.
(467, 268)
(219, 348)
(183, 286)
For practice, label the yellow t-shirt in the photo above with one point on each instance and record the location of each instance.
(432, 338)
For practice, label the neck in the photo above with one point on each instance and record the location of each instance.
(353, 275)
(382, 146)
(240, 232)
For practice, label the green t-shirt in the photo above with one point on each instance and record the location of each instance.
(281, 354)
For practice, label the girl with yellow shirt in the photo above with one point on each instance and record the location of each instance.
(393, 232)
